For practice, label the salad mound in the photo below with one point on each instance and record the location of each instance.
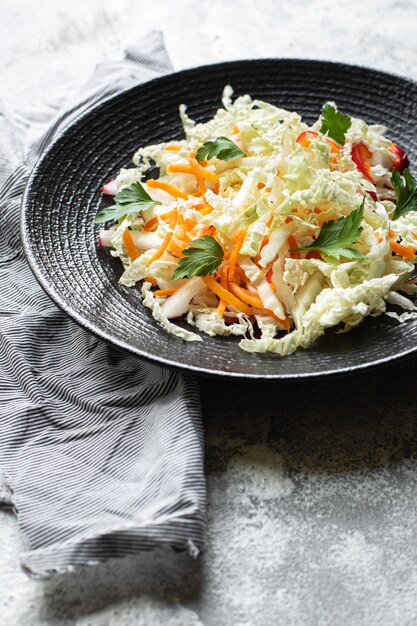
(264, 227)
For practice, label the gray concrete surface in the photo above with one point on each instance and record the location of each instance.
(312, 487)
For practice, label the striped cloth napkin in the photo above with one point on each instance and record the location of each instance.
(101, 454)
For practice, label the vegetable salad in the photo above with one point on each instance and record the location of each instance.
(261, 226)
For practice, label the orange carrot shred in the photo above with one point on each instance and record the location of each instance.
(241, 273)
(151, 280)
(285, 323)
(223, 281)
(153, 222)
(132, 250)
(164, 292)
(226, 295)
(407, 252)
(235, 252)
(167, 238)
(197, 173)
(183, 168)
(292, 242)
(176, 249)
(173, 147)
(162, 248)
(245, 295)
(170, 189)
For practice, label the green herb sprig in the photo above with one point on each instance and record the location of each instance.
(127, 201)
(202, 258)
(336, 235)
(222, 148)
(406, 192)
(334, 123)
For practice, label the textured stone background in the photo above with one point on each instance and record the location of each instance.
(312, 486)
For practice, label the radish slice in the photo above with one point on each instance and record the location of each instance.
(110, 188)
(177, 304)
(105, 237)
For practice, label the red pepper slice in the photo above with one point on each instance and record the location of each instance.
(305, 141)
(400, 158)
(361, 156)
(268, 275)
(313, 254)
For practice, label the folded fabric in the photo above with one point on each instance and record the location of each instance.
(101, 454)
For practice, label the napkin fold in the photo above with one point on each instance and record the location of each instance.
(101, 454)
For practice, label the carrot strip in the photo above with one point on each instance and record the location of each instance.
(207, 209)
(173, 219)
(167, 238)
(162, 249)
(183, 168)
(414, 234)
(176, 249)
(197, 173)
(235, 130)
(223, 281)
(153, 222)
(265, 240)
(412, 281)
(221, 307)
(173, 191)
(292, 242)
(256, 302)
(391, 233)
(245, 295)
(179, 168)
(132, 250)
(235, 253)
(164, 292)
(285, 323)
(173, 147)
(406, 251)
(241, 273)
(151, 280)
(225, 295)
(209, 175)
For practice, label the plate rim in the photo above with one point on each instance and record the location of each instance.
(124, 345)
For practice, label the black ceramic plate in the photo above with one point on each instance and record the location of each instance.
(63, 196)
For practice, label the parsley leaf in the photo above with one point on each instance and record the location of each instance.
(128, 200)
(335, 235)
(334, 123)
(222, 148)
(406, 191)
(203, 257)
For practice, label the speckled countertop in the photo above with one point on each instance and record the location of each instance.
(312, 488)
